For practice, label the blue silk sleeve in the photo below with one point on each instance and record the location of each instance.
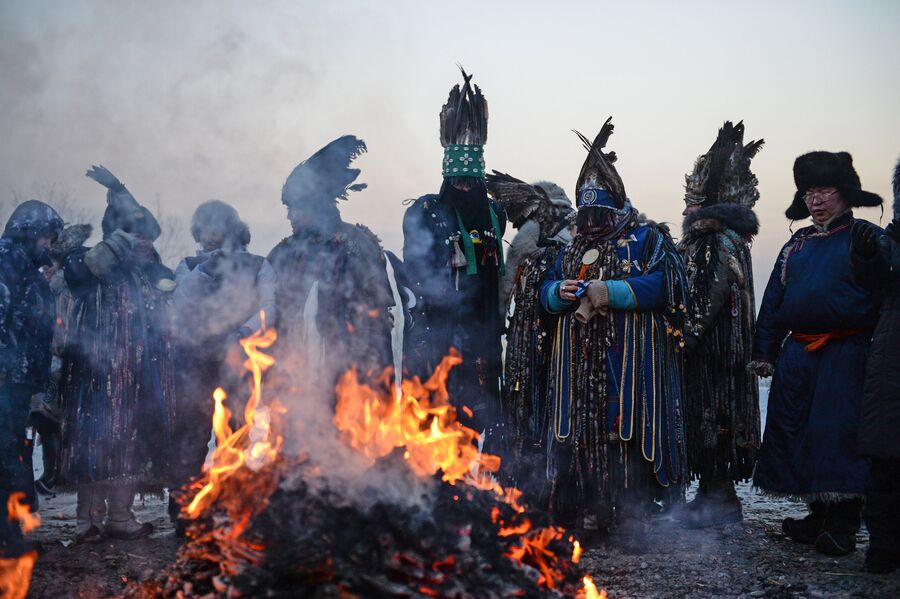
(647, 292)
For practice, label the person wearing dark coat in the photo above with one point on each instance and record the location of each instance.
(333, 295)
(876, 264)
(453, 257)
(721, 396)
(46, 408)
(118, 374)
(27, 316)
(813, 331)
(220, 296)
(545, 220)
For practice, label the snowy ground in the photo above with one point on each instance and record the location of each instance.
(751, 559)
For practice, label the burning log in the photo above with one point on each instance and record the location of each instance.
(279, 527)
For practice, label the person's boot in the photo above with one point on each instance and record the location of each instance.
(838, 536)
(50, 442)
(717, 506)
(880, 561)
(806, 530)
(120, 520)
(89, 512)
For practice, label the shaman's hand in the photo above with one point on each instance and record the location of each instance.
(567, 290)
(761, 368)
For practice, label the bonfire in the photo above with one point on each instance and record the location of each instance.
(263, 523)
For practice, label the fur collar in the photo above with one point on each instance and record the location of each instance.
(740, 219)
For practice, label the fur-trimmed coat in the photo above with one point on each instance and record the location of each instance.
(721, 396)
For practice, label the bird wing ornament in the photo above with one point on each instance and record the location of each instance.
(326, 175)
(522, 201)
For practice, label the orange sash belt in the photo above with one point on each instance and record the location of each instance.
(816, 341)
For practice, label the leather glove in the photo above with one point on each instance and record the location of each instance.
(585, 310)
(893, 230)
(109, 253)
(864, 238)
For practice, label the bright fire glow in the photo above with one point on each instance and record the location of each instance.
(252, 445)
(590, 590)
(15, 572)
(17, 509)
(420, 419)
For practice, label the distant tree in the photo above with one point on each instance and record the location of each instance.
(174, 242)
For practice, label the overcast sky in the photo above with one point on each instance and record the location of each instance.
(187, 101)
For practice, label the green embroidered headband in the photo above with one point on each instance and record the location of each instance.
(463, 161)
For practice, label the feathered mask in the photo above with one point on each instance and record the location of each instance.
(722, 175)
(122, 210)
(599, 184)
(325, 176)
(464, 120)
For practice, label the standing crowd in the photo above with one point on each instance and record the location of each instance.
(630, 365)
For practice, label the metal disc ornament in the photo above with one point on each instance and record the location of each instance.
(590, 256)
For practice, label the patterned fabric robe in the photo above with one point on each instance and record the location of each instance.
(118, 375)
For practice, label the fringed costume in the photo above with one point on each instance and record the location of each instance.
(544, 224)
(453, 260)
(721, 395)
(333, 291)
(119, 373)
(616, 437)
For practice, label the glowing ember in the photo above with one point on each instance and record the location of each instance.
(534, 550)
(15, 572)
(590, 590)
(252, 445)
(420, 419)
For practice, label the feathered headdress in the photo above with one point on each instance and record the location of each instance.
(524, 202)
(722, 175)
(122, 210)
(599, 184)
(325, 176)
(464, 120)
(896, 182)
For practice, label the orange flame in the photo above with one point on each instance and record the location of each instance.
(15, 575)
(590, 590)
(17, 509)
(576, 552)
(252, 445)
(535, 551)
(420, 419)
(15, 572)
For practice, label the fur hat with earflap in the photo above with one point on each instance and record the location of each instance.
(828, 169)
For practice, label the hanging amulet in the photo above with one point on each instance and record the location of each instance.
(457, 257)
(587, 259)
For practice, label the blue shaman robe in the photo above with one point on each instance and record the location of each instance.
(615, 381)
(809, 445)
